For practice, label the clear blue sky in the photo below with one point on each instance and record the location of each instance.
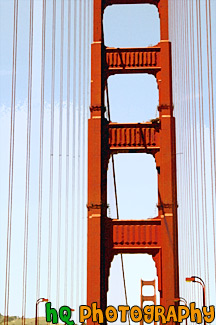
(132, 99)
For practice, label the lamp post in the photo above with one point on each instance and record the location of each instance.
(185, 303)
(37, 303)
(197, 279)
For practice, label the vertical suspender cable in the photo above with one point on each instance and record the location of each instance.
(83, 233)
(41, 150)
(181, 73)
(180, 70)
(199, 105)
(185, 127)
(49, 275)
(212, 94)
(178, 41)
(181, 115)
(191, 206)
(211, 118)
(188, 212)
(188, 119)
(67, 150)
(202, 147)
(28, 150)
(89, 35)
(78, 158)
(73, 152)
(11, 164)
(195, 144)
(116, 201)
(186, 134)
(194, 118)
(60, 160)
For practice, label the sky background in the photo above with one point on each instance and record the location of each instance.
(133, 98)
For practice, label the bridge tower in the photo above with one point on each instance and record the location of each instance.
(157, 236)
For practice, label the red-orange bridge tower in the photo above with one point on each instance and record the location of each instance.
(108, 237)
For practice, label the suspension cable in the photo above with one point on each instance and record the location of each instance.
(211, 117)
(11, 164)
(58, 279)
(49, 275)
(28, 150)
(213, 120)
(84, 108)
(79, 153)
(73, 149)
(202, 147)
(195, 144)
(116, 200)
(67, 151)
(41, 150)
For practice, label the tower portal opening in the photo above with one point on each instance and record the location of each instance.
(137, 267)
(133, 98)
(131, 25)
(136, 179)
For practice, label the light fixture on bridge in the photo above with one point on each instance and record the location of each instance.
(37, 303)
(185, 303)
(197, 279)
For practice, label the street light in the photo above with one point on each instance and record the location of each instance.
(197, 279)
(185, 303)
(37, 303)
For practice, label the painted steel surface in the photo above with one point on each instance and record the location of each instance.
(158, 236)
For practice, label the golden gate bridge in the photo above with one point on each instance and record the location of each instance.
(45, 98)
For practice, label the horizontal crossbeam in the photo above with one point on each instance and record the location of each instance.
(149, 298)
(130, 236)
(134, 137)
(116, 2)
(133, 60)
